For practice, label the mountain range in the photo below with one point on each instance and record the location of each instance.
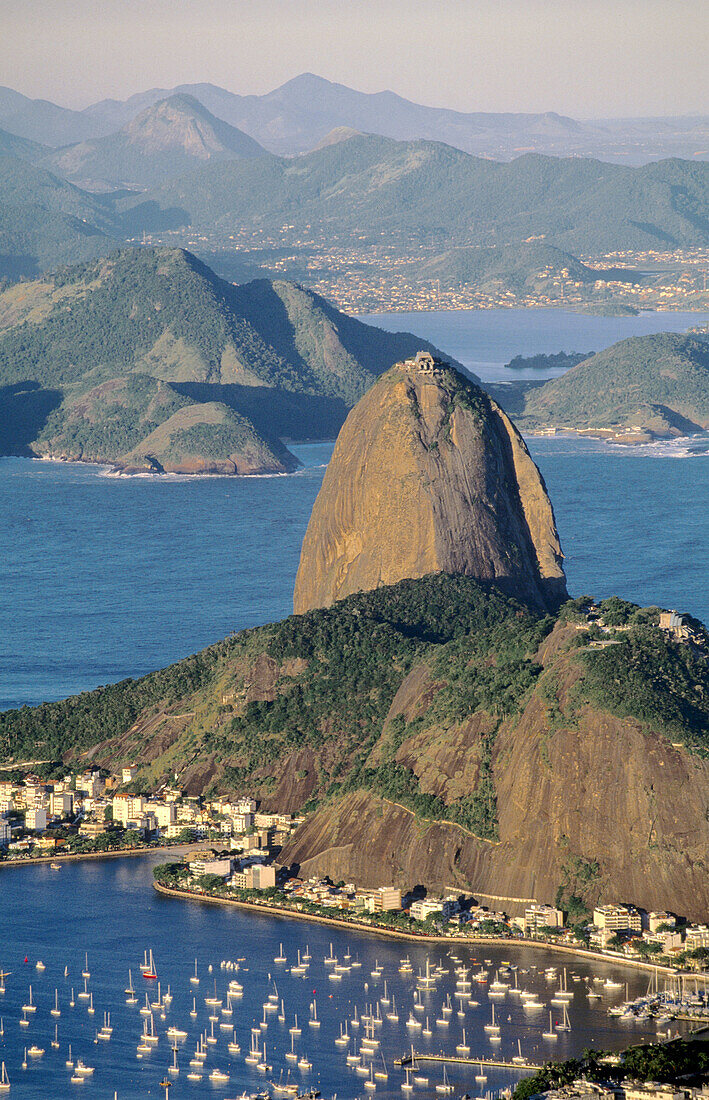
(163, 141)
(296, 116)
(367, 187)
(147, 360)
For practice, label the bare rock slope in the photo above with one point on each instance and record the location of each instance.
(429, 475)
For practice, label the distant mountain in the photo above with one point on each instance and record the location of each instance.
(13, 146)
(46, 222)
(41, 121)
(163, 141)
(643, 388)
(367, 186)
(298, 115)
(147, 360)
(521, 267)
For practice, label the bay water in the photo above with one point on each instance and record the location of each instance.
(103, 577)
(106, 914)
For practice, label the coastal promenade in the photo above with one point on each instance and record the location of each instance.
(77, 857)
(268, 909)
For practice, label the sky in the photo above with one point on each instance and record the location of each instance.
(584, 58)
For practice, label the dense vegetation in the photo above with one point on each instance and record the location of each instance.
(118, 346)
(662, 1062)
(562, 360)
(662, 683)
(371, 185)
(331, 676)
(659, 381)
(353, 657)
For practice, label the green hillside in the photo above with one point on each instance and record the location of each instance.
(520, 267)
(658, 385)
(148, 358)
(424, 190)
(46, 222)
(442, 710)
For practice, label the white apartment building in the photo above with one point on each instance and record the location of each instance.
(617, 918)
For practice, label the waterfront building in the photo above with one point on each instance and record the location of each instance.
(426, 907)
(617, 918)
(697, 935)
(537, 917)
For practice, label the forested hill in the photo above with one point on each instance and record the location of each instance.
(440, 732)
(46, 222)
(368, 185)
(645, 387)
(148, 358)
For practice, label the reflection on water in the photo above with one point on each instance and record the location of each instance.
(108, 910)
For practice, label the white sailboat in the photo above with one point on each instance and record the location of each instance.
(56, 1010)
(4, 1079)
(550, 1034)
(195, 979)
(444, 1087)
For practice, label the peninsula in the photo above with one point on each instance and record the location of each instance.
(450, 727)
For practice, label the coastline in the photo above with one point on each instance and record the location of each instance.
(411, 937)
(76, 857)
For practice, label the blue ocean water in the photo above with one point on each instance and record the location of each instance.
(485, 339)
(108, 912)
(105, 577)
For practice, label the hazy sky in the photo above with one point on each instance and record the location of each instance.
(579, 57)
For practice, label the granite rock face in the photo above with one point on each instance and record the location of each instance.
(429, 475)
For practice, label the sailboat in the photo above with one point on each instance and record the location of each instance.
(4, 974)
(4, 1079)
(550, 1034)
(30, 1006)
(313, 1021)
(492, 1028)
(131, 998)
(370, 1084)
(232, 1046)
(254, 1055)
(291, 1055)
(55, 1011)
(194, 979)
(86, 973)
(383, 1073)
(295, 1030)
(70, 1061)
(565, 1024)
(150, 973)
(174, 1069)
(55, 1040)
(463, 1048)
(519, 1058)
(444, 1088)
(280, 957)
(481, 1077)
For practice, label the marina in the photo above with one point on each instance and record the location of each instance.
(240, 1002)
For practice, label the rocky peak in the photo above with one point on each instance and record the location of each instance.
(429, 475)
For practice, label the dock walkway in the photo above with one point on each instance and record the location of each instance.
(491, 1063)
